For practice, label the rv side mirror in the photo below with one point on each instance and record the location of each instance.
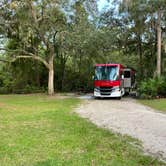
(122, 76)
(93, 77)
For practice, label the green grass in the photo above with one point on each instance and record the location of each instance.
(36, 130)
(158, 104)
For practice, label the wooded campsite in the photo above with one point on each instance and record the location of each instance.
(60, 60)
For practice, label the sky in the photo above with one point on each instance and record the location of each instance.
(102, 4)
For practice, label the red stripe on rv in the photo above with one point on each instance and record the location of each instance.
(106, 83)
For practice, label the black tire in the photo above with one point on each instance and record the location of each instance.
(119, 98)
(96, 98)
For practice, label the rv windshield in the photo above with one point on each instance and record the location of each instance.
(106, 73)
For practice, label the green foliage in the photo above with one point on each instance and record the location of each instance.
(29, 89)
(79, 39)
(162, 87)
(152, 88)
(6, 82)
(148, 89)
(17, 78)
(80, 82)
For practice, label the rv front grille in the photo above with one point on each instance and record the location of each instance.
(105, 90)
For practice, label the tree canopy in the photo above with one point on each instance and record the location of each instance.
(54, 43)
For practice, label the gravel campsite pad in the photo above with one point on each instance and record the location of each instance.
(126, 116)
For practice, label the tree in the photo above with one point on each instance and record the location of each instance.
(154, 11)
(159, 42)
(35, 25)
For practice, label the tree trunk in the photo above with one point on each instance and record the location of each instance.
(159, 43)
(51, 77)
(140, 56)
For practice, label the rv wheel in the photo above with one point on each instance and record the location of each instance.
(119, 98)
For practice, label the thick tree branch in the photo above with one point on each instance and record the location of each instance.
(31, 57)
(9, 50)
(36, 25)
(24, 54)
(3, 60)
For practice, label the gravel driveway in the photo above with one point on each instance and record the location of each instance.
(126, 116)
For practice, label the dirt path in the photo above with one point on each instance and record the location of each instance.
(129, 117)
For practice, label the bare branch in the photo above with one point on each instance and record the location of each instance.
(32, 10)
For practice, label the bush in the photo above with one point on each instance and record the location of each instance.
(74, 81)
(152, 88)
(162, 87)
(28, 90)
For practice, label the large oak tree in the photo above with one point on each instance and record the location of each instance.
(35, 25)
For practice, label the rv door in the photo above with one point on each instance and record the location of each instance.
(127, 78)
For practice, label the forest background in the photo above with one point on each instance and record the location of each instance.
(53, 45)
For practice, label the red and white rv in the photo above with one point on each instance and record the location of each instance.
(113, 80)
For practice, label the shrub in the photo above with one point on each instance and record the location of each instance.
(151, 88)
(28, 89)
(162, 87)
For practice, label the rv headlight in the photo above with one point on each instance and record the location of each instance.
(97, 89)
(115, 88)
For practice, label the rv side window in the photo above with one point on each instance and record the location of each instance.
(126, 74)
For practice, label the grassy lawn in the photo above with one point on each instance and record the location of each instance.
(36, 130)
(158, 104)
